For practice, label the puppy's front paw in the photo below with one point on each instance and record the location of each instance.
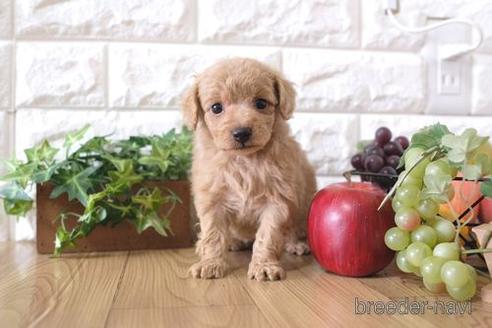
(266, 271)
(208, 269)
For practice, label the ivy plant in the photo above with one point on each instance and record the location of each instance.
(105, 176)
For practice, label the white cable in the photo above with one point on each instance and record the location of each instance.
(455, 53)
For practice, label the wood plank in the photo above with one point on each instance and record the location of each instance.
(160, 279)
(397, 285)
(87, 300)
(188, 317)
(26, 291)
(16, 256)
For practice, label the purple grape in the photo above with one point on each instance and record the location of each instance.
(388, 170)
(393, 148)
(393, 161)
(383, 136)
(373, 150)
(403, 141)
(373, 163)
(357, 162)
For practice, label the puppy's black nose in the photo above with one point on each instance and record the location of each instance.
(242, 135)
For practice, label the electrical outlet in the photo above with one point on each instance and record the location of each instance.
(449, 79)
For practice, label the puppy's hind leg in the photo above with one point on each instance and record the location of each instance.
(297, 247)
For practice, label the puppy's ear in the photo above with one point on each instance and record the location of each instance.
(191, 106)
(286, 97)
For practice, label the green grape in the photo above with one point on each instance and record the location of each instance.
(403, 264)
(431, 269)
(425, 234)
(455, 274)
(440, 167)
(435, 288)
(473, 272)
(416, 252)
(412, 156)
(444, 229)
(407, 219)
(397, 239)
(396, 204)
(448, 251)
(410, 180)
(463, 293)
(427, 208)
(408, 195)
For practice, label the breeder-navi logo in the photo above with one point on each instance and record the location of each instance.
(413, 307)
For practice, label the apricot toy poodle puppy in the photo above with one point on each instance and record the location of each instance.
(250, 179)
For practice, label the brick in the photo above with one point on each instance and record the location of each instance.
(353, 81)
(157, 75)
(328, 140)
(330, 23)
(5, 19)
(482, 80)
(164, 20)
(54, 75)
(5, 70)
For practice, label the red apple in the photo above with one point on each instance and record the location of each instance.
(346, 231)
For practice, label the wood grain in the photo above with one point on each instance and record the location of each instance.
(152, 289)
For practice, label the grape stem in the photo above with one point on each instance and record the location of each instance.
(477, 251)
(398, 183)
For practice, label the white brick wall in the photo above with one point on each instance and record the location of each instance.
(123, 64)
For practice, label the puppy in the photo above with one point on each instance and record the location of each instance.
(250, 178)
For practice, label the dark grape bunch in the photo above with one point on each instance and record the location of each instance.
(380, 156)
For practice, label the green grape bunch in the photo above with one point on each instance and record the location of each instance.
(426, 244)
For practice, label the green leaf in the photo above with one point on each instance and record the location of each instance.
(152, 220)
(485, 163)
(73, 137)
(41, 153)
(461, 147)
(125, 176)
(17, 207)
(429, 136)
(76, 185)
(44, 175)
(22, 174)
(13, 191)
(472, 171)
(437, 187)
(150, 201)
(486, 188)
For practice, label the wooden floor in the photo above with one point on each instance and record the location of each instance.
(151, 289)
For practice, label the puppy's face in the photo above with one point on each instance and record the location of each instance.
(238, 100)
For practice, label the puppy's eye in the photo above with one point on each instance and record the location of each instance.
(261, 103)
(217, 108)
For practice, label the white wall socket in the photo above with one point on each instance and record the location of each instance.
(449, 89)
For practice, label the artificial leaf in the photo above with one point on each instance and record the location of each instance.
(486, 188)
(149, 201)
(44, 175)
(22, 174)
(429, 136)
(485, 163)
(437, 187)
(462, 146)
(472, 171)
(75, 185)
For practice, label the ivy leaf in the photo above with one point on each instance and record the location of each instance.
(429, 136)
(44, 175)
(152, 219)
(150, 201)
(461, 147)
(75, 185)
(17, 207)
(73, 137)
(94, 145)
(22, 174)
(13, 191)
(486, 188)
(125, 176)
(41, 153)
(437, 187)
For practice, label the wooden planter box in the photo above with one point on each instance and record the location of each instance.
(123, 236)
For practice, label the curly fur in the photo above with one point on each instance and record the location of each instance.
(260, 191)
